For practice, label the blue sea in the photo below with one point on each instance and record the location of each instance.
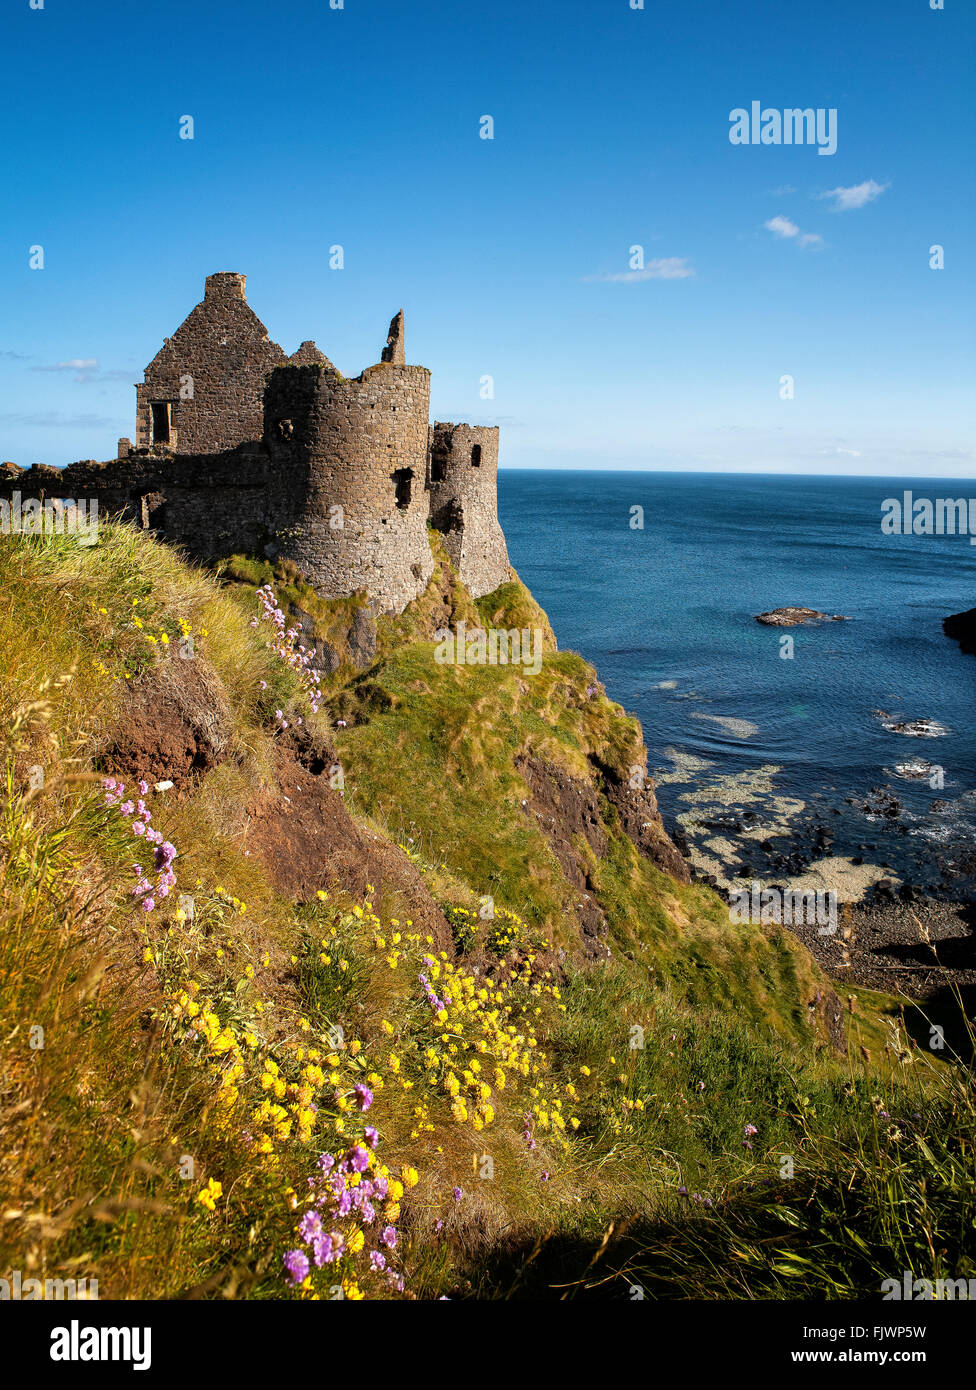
(750, 749)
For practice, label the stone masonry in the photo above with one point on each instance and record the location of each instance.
(202, 391)
(240, 448)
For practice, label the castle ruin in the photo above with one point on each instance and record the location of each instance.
(242, 449)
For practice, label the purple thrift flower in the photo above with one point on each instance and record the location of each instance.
(323, 1251)
(372, 1136)
(310, 1226)
(377, 1260)
(365, 1097)
(457, 1194)
(358, 1157)
(388, 1237)
(296, 1263)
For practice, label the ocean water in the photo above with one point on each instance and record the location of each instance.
(796, 746)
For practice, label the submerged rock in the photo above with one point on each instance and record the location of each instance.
(915, 728)
(793, 617)
(915, 770)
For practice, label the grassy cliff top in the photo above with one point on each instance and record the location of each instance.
(432, 930)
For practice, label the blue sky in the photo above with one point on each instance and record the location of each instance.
(360, 127)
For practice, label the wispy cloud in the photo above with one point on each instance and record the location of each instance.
(856, 196)
(83, 367)
(56, 420)
(9, 356)
(789, 231)
(783, 190)
(850, 453)
(665, 268)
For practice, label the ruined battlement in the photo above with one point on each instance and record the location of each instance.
(357, 450)
(462, 481)
(240, 447)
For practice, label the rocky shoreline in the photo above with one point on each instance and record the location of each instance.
(923, 949)
(892, 935)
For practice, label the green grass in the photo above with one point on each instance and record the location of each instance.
(690, 1031)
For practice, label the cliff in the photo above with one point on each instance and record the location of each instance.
(418, 915)
(961, 627)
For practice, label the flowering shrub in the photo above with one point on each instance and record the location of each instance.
(460, 1045)
(154, 637)
(147, 890)
(296, 657)
(348, 1223)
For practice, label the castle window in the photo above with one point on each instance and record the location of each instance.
(160, 421)
(402, 477)
(152, 510)
(476, 456)
(436, 468)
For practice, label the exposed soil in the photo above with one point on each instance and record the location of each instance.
(566, 808)
(641, 819)
(569, 813)
(175, 724)
(307, 839)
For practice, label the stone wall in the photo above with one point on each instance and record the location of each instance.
(463, 483)
(357, 452)
(284, 456)
(212, 505)
(211, 374)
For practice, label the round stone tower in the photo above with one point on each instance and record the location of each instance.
(351, 457)
(463, 483)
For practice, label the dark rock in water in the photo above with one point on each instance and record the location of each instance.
(911, 728)
(793, 617)
(915, 770)
(916, 728)
(880, 801)
(961, 627)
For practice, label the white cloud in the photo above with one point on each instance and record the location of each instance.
(856, 196)
(83, 367)
(789, 231)
(665, 268)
